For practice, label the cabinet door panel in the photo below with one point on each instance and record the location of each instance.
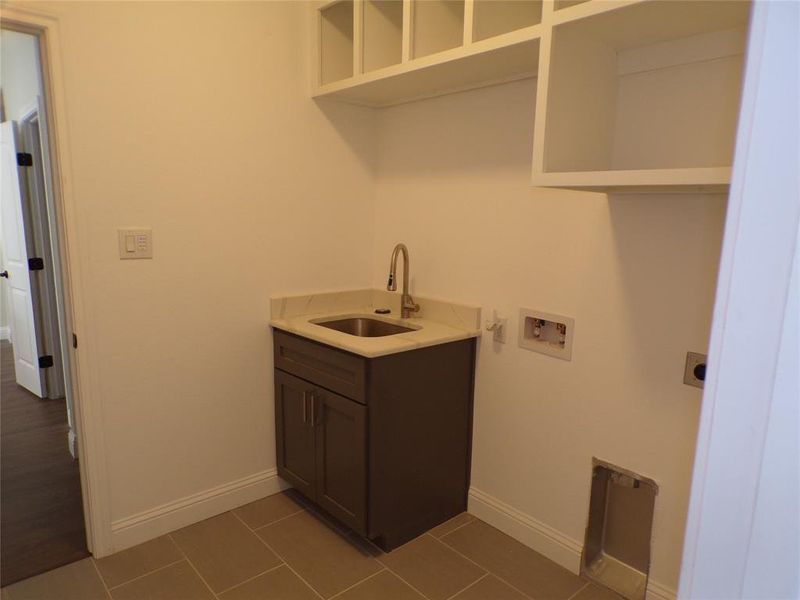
(295, 432)
(341, 458)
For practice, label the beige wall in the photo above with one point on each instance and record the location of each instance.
(636, 272)
(195, 119)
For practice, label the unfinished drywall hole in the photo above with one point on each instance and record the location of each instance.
(546, 333)
(616, 551)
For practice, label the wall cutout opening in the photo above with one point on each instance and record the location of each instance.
(546, 333)
(616, 551)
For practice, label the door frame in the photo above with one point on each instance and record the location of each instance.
(760, 247)
(81, 373)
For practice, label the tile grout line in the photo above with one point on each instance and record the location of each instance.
(419, 591)
(249, 579)
(359, 582)
(103, 581)
(583, 587)
(438, 537)
(270, 523)
(271, 549)
(485, 569)
(478, 580)
(376, 559)
(113, 587)
(191, 564)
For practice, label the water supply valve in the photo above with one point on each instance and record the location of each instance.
(497, 325)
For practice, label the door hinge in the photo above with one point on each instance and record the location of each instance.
(35, 264)
(74, 341)
(45, 361)
(24, 159)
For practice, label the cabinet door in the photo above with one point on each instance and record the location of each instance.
(294, 430)
(341, 458)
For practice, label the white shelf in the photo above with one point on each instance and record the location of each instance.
(438, 25)
(496, 17)
(633, 95)
(383, 34)
(499, 60)
(410, 49)
(336, 41)
(643, 97)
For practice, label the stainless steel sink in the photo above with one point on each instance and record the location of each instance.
(364, 327)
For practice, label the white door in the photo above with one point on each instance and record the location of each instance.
(15, 253)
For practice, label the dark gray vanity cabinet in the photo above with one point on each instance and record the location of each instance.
(382, 444)
(322, 447)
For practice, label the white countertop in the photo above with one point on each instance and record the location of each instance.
(438, 322)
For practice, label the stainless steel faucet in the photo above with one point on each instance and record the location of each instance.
(407, 305)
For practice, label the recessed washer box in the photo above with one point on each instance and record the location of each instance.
(616, 551)
(546, 333)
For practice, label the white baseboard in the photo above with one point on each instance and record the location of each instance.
(5, 333)
(550, 542)
(657, 591)
(163, 519)
(544, 539)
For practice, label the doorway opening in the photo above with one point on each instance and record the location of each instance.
(41, 507)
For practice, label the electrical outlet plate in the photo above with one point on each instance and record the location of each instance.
(546, 333)
(691, 371)
(135, 243)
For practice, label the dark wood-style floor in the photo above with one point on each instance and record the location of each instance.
(41, 516)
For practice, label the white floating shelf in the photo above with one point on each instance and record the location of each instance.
(454, 70)
(405, 50)
(632, 95)
(642, 96)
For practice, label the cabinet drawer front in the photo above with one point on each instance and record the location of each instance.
(333, 369)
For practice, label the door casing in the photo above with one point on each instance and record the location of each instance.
(80, 372)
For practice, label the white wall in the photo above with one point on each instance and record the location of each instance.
(636, 272)
(195, 119)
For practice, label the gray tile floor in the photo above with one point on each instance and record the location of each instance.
(279, 548)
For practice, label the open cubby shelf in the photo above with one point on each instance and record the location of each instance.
(383, 34)
(396, 51)
(633, 95)
(646, 95)
(496, 17)
(438, 25)
(336, 42)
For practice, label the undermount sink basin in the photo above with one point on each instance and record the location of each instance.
(364, 327)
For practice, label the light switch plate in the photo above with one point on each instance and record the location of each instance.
(135, 243)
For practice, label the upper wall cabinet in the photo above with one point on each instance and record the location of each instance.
(385, 52)
(640, 96)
